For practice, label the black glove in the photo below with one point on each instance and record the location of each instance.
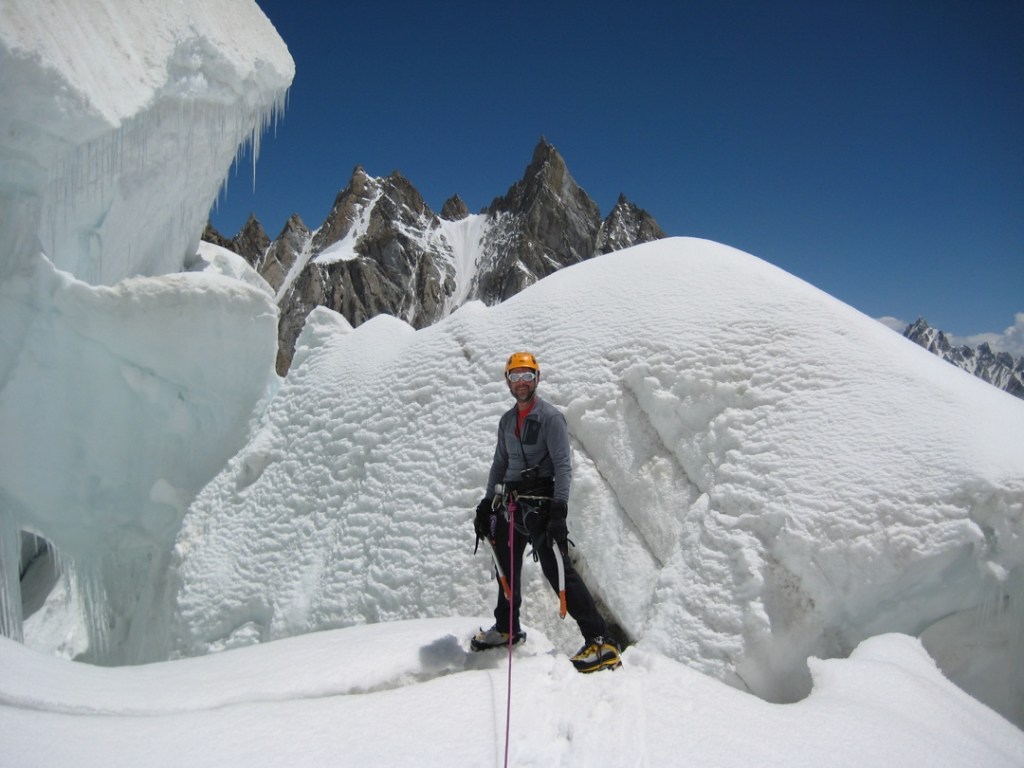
(557, 529)
(482, 521)
(537, 524)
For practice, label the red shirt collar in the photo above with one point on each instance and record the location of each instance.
(522, 414)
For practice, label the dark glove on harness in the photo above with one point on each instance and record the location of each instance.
(557, 529)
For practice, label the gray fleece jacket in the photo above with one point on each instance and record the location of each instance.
(544, 444)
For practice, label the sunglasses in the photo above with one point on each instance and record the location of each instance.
(528, 376)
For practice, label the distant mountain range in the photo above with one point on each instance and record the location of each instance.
(998, 368)
(381, 248)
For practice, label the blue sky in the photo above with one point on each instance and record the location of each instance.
(874, 149)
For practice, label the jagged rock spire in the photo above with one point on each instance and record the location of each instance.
(627, 225)
(543, 223)
(251, 242)
(546, 184)
(454, 209)
(348, 204)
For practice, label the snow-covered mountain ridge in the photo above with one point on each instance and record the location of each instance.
(382, 250)
(1000, 369)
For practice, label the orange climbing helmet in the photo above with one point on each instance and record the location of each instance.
(521, 360)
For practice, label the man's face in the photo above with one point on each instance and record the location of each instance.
(522, 390)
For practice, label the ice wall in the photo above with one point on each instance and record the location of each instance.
(119, 123)
(120, 397)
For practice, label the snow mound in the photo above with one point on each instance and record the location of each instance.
(761, 473)
(213, 259)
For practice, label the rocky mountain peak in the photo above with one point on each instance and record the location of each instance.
(293, 227)
(627, 223)
(454, 209)
(349, 203)
(360, 182)
(399, 203)
(930, 338)
(282, 253)
(548, 166)
(252, 239)
(544, 222)
(250, 243)
(546, 184)
(398, 257)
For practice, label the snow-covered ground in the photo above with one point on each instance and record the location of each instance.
(762, 476)
(465, 236)
(409, 693)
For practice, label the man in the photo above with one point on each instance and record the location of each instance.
(532, 462)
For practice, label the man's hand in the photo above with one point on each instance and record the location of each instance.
(557, 528)
(482, 521)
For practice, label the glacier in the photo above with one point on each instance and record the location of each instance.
(771, 490)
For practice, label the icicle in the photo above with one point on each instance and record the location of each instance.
(64, 565)
(10, 581)
(1012, 604)
(92, 598)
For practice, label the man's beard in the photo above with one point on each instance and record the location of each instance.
(526, 396)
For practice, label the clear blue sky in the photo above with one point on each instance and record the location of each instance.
(874, 149)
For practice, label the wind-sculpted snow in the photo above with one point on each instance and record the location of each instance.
(760, 472)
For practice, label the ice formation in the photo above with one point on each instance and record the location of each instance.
(122, 385)
(119, 125)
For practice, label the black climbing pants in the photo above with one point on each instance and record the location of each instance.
(578, 600)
